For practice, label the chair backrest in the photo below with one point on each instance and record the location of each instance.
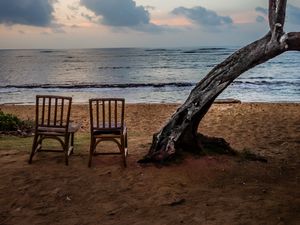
(106, 113)
(53, 111)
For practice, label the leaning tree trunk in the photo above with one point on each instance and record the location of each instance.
(180, 132)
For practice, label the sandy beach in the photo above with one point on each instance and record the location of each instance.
(212, 189)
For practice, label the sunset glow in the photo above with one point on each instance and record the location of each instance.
(56, 22)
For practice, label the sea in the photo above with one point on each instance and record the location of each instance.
(140, 75)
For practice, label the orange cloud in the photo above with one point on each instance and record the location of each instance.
(244, 17)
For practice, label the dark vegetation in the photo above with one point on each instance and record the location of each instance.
(11, 124)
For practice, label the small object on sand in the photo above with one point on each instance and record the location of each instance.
(177, 202)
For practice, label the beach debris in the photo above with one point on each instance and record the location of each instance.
(177, 201)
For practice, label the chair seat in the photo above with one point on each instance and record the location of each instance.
(72, 129)
(115, 131)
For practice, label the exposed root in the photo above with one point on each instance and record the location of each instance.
(201, 144)
(215, 145)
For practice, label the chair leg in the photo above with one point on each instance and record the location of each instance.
(124, 158)
(91, 151)
(72, 143)
(34, 145)
(66, 149)
(126, 144)
(123, 151)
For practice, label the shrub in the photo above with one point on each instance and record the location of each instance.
(9, 122)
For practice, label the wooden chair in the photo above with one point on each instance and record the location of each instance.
(53, 122)
(107, 124)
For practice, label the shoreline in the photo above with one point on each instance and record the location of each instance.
(217, 101)
(151, 116)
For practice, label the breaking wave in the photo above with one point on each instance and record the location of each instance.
(155, 85)
(83, 85)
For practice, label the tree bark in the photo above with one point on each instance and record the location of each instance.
(180, 132)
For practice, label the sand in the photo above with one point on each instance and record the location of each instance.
(211, 189)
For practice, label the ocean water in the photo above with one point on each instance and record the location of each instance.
(139, 75)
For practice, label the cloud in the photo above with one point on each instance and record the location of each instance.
(262, 10)
(292, 13)
(149, 7)
(27, 12)
(73, 8)
(203, 16)
(57, 28)
(118, 13)
(86, 16)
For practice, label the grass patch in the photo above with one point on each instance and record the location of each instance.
(10, 142)
(82, 142)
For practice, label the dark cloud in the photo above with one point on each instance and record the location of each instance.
(28, 12)
(202, 16)
(118, 13)
(262, 10)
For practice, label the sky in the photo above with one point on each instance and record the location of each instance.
(26, 24)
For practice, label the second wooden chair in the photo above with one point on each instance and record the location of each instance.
(107, 124)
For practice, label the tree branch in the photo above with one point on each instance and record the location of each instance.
(293, 41)
(272, 13)
(280, 12)
(180, 132)
(277, 24)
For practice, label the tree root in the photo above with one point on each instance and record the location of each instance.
(200, 145)
(215, 145)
